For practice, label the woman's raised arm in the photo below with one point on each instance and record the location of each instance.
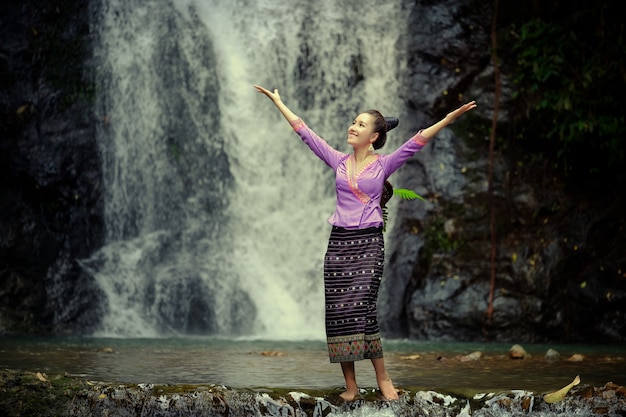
(275, 97)
(432, 131)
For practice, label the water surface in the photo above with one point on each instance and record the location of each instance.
(240, 363)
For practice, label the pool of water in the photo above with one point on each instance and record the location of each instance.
(241, 363)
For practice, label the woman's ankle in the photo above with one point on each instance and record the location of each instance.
(350, 394)
(387, 389)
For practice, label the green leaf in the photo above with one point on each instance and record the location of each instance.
(407, 194)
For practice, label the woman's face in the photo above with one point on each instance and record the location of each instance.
(361, 131)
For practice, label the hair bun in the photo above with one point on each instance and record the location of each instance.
(392, 122)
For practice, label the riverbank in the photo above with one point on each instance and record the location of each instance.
(24, 393)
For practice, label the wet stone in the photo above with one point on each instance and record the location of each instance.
(22, 393)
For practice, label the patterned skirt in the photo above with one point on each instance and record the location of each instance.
(353, 269)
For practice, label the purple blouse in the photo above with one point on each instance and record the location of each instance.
(358, 193)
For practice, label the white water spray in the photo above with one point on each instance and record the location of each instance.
(215, 211)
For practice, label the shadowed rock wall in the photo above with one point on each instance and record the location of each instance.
(50, 198)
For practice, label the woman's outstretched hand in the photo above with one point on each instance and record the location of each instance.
(431, 132)
(458, 112)
(274, 96)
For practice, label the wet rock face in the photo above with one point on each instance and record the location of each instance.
(50, 199)
(25, 393)
(555, 277)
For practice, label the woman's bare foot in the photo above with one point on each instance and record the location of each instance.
(349, 395)
(387, 389)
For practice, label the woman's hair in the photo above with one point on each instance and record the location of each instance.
(382, 125)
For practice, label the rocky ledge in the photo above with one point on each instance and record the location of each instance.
(26, 393)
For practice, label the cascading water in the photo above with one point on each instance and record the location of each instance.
(215, 211)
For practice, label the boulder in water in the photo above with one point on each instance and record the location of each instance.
(518, 352)
(552, 355)
(474, 356)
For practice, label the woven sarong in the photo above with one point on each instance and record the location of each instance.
(353, 269)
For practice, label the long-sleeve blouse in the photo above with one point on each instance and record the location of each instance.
(358, 193)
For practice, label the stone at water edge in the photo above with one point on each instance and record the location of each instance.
(559, 395)
(474, 356)
(576, 357)
(518, 352)
(411, 357)
(552, 355)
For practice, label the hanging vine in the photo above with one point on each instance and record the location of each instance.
(492, 140)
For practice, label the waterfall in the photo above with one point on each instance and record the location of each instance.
(216, 213)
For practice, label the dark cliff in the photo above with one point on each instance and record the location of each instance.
(559, 264)
(51, 207)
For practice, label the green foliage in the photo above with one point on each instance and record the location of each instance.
(437, 240)
(385, 218)
(407, 194)
(403, 193)
(570, 80)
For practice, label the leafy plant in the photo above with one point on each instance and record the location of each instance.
(436, 238)
(407, 194)
(568, 82)
(404, 194)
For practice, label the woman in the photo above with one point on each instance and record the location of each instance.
(353, 265)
